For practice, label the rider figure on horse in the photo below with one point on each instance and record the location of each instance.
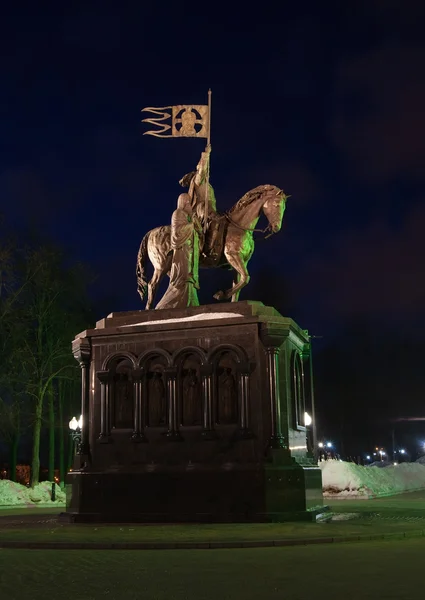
(200, 188)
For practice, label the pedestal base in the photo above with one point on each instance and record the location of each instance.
(208, 390)
(192, 494)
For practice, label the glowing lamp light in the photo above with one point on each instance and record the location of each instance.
(368, 457)
(74, 424)
(307, 419)
(402, 451)
(320, 444)
(76, 433)
(329, 444)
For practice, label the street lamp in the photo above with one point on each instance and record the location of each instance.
(76, 429)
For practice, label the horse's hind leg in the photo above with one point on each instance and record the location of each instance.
(156, 280)
(153, 287)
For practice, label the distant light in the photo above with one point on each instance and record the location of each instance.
(320, 444)
(307, 419)
(402, 451)
(395, 464)
(374, 454)
(329, 444)
(368, 457)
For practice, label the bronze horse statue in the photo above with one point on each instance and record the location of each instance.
(237, 248)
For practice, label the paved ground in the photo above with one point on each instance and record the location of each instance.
(376, 570)
(384, 570)
(399, 516)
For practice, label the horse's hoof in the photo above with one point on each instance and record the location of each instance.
(219, 295)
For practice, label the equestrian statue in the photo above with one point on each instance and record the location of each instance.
(199, 236)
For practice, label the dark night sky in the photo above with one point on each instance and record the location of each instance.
(324, 99)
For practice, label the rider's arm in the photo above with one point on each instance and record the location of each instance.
(203, 167)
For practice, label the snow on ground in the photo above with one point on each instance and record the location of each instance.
(348, 480)
(200, 317)
(15, 494)
(339, 479)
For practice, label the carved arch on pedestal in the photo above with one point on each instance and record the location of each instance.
(154, 401)
(118, 399)
(177, 356)
(116, 356)
(154, 352)
(297, 390)
(190, 363)
(238, 351)
(229, 365)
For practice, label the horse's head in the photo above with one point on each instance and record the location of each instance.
(274, 207)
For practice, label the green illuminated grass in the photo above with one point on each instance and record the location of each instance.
(409, 504)
(384, 570)
(207, 533)
(401, 515)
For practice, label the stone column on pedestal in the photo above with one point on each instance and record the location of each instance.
(208, 432)
(244, 371)
(273, 340)
(81, 349)
(173, 432)
(105, 378)
(138, 434)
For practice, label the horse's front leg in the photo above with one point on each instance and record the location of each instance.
(239, 265)
(235, 296)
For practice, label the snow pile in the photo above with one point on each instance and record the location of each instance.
(15, 494)
(348, 480)
(200, 317)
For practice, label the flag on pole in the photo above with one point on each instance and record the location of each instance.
(179, 121)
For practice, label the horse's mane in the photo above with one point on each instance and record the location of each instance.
(252, 195)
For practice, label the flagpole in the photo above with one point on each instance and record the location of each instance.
(207, 187)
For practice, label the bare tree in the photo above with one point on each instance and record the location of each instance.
(42, 306)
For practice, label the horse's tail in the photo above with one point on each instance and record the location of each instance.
(142, 284)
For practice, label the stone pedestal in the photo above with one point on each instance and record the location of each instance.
(194, 415)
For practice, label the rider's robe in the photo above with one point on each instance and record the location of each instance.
(184, 275)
